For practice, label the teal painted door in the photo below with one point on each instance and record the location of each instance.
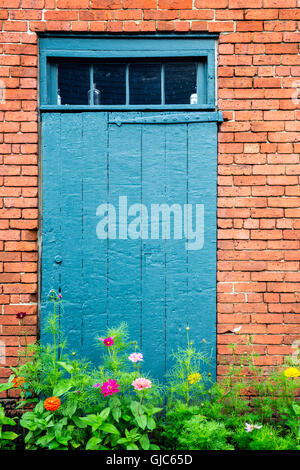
(158, 280)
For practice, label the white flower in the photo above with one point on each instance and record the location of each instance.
(237, 329)
(249, 427)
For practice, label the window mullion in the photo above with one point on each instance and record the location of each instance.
(127, 85)
(91, 103)
(162, 83)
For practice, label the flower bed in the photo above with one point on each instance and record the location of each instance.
(67, 404)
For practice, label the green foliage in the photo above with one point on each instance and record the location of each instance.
(200, 434)
(266, 438)
(6, 437)
(86, 418)
(291, 416)
(173, 422)
(47, 430)
(189, 412)
(188, 362)
(123, 424)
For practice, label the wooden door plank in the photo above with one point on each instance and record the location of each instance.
(72, 165)
(51, 212)
(153, 253)
(176, 253)
(124, 255)
(94, 262)
(202, 169)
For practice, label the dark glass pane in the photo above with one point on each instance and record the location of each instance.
(110, 80)
(73, 83)
(145, 83)
(180, 83)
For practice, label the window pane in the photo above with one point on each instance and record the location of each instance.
(180, 83)
(73, 83)
(110, 80)
(145, 83)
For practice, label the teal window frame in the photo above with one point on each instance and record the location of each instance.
(199, 48)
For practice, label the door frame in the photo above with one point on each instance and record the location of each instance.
(126, 46)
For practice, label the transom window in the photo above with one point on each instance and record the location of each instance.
(142, 82)
(127, 72)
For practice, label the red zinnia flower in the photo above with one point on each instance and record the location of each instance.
(18, 381)
(52, 403)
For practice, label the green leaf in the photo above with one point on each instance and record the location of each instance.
(93, 443)
(39, 407)
(109, 428)
(154, 447)
(61, 388)
(54, 445)
(27, 420)
(75, 444)
(104, 413)
(44, 441)
(8, 435)
(134, 406)
(90, 420)
(6, 386)
(8, 421)
(28, 437)
(123, 440)
(69, 367)
(113, 438)
(25, 402)
(79, 423)
(70, 409)
(144, 441)
(132, 447)
(151, 423)
(153, 411)
(296, 409)
(116, 412)
(141, 421)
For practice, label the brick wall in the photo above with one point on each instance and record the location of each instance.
(259, 203)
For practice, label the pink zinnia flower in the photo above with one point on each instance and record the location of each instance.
(141, 383)
(108, 341)
(135, 357)
(110, 387)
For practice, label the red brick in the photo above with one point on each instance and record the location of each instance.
(245, 3)
(211, 3)
(145, 4)
(76, 4)
(106, 4)
(279, 3)
(170, 4)
(261, 14)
